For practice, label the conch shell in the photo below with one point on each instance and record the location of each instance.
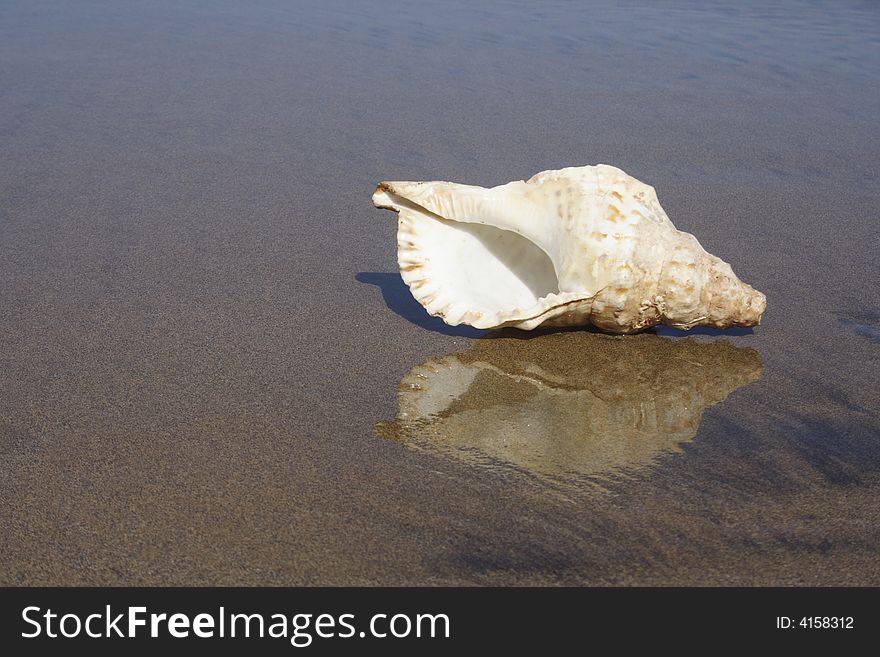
(582, 245)
(567, 404)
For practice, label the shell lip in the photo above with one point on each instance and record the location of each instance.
(384, 191)
(561, 304)
(547, 307)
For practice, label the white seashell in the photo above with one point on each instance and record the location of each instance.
(582, 245)
(568, 403)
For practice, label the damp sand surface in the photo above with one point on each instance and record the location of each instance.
(211, 373)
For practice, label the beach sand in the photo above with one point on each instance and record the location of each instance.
(203, 333)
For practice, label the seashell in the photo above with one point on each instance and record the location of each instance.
(568, 403)
(577, 246)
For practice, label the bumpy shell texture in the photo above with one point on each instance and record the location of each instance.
(567, 403)
(577, 246)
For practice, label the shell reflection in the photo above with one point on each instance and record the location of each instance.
(567, 404)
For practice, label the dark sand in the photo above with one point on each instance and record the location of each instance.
(201, 325)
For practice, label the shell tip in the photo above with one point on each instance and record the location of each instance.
(383, 196)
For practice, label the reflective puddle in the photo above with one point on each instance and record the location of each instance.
(567, 404)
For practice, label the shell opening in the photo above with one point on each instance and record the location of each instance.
(468, 272)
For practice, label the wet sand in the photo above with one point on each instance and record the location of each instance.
(203, 336)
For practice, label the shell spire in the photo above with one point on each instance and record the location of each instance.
(582, 245)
